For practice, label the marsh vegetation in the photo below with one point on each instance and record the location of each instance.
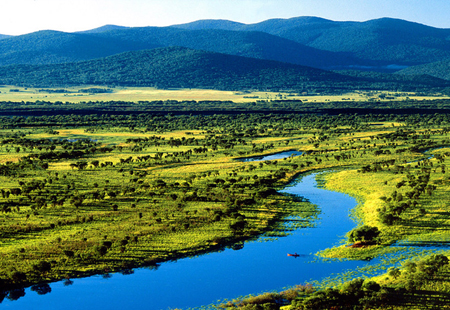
(91, 190)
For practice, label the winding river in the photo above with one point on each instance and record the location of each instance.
(193, 282)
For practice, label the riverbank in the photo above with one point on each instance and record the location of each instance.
(418, 187)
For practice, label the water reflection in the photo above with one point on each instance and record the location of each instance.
(67, 282)
(15, 294)
(41, 289)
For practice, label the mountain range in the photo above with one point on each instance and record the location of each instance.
(46, 47)
(172, 67)
(381, 45)
(180, 67)
(389, 41)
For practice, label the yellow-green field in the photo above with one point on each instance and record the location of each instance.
(135, 94)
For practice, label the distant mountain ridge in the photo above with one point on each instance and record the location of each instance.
(45, 47)
(176, 67)
(392, 41)
(103, 29)
(383, 45)
(274, 26)
(179, 67)
(221, 24)
(4, 36)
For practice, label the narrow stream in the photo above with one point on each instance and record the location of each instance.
(279, 155)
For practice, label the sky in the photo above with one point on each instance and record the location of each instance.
(25, 16)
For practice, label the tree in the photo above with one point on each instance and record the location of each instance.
(364, 234)
(102, 250)
(42, 266)
(18, 276)
(81, 165)
(69, 253)
(394, 272)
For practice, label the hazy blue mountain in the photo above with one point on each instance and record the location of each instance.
(274, 26)
(381, 44)
(222, 24)
(390, 41)
(103, 29)
(46, 47)
(58, 47)
(172, 67)
(4, 36)
(440, 69)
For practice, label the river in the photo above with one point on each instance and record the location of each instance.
(192, 282)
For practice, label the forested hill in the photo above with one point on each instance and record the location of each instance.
(439, 69)
(392, 41)
(173, 67)
(47, 47)
(405, 79)
(378, 45)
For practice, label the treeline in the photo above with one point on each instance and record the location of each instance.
(245, 124)
(440, 107)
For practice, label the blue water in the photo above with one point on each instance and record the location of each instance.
(280, 155)
(192, 282)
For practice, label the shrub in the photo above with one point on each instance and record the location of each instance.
(18, 276)
(102, 250)
(364, 234)
(42, 266)
(69, 253)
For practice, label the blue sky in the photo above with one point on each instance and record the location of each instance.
(25, 16)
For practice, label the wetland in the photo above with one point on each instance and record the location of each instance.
(146, 198)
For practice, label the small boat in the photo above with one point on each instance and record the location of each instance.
(294, 255)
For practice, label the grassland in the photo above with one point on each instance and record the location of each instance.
(136, 94)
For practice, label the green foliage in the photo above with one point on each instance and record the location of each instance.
(437, 69)
(364, 234)
(112, 192)
(355, 294)
(172, 67)
(42, 266)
